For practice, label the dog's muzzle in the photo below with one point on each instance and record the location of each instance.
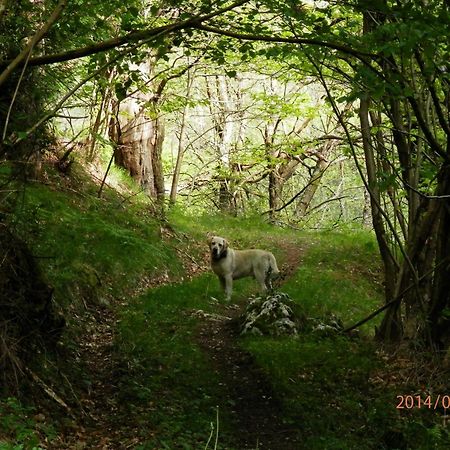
(216, 254)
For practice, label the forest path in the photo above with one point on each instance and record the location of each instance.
(103, 423)
(256, 412)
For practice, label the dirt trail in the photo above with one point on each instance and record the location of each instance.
(102, 424)
(256, 412)
(98, 423)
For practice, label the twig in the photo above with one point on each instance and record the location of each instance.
(217, 428)
(106, 174)
(49, 391)
(178, 250)
(210, 436)
(8, 115)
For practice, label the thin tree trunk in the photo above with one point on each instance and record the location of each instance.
(391, 328)
(313, 184)
(181, 148)
(100, 118)
(221, 109)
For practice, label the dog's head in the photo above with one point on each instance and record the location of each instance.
(218, 247)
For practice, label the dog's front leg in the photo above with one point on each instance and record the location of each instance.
(222, 283)
(228, 280)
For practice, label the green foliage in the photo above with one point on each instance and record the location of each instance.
(18, 429)
(93, 244)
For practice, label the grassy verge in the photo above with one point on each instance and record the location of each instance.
(105, 243)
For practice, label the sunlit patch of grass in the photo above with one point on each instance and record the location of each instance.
(249, 231)
(340, 274)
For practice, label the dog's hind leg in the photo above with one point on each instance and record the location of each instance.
(260, 277)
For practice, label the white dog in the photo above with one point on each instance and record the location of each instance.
(229, 264)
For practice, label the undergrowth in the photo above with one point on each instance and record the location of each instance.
(19, 428)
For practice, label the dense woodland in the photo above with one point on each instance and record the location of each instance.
(313, 115)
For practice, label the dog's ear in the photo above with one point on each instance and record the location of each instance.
(225, 244)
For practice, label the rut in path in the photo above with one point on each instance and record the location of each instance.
(256, 412)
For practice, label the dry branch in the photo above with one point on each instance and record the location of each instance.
(49, 391)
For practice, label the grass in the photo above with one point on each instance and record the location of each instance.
(310, 374)
(340, 273)
(108, 245)
(324, 386)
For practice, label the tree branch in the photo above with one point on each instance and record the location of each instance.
(132, 37)
(395, 300)
(293, 40)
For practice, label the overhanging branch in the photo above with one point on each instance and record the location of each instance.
(130, 38)
(288, 40)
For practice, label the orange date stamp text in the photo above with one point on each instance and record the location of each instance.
(435, 402)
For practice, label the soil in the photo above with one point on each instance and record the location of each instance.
(257, 417)
(256, 411)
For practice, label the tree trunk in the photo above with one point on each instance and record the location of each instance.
(101, 118)
(440, 289)
(313, 184)
(221, 109)
(181, 138)
(391, 327)
(139, 137)
(275, 192)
